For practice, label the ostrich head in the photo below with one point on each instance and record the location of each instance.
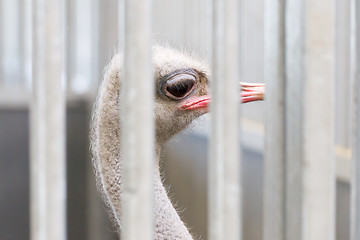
(178, 78)
(181, 95)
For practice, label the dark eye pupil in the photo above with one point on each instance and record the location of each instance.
(179, 84)
(180, 89)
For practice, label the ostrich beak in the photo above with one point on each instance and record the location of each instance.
(250, 92)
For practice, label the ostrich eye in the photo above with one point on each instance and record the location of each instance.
(179, 85)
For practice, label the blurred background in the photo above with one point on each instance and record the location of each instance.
(91, 41)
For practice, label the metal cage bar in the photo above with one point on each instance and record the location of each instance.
(224, 166)
(274, 155)
(355, 179)
(2, 31)
(310, 169)
(137, 106)
(294, 28)
(47, 175)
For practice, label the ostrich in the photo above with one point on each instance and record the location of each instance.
(181, 96)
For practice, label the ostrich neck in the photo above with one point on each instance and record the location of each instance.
(105, 146)
(167, 222)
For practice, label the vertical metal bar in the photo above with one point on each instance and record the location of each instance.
(95, 41)
(12, 41)
(224, 167)
(319, 161)
(21, 44)
(138, 124)
(81, 81)
(294, 51)
(27, 44)
(355, 71)
(48, 180)
(2, 32)
(274, 163)
(121, 25)
(310, 175)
